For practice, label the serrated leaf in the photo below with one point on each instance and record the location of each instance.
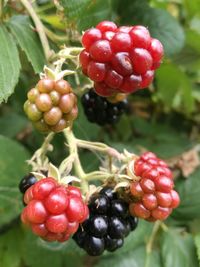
(93, 13)
(12, 169)
(28, 40)
(74, 8)
(189, 191)
(178, 250)
(9, 64)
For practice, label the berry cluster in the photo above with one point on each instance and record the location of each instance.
(53, 211)
(109, 222)
(51, 105)
(119, 59)
(99, 110)
(154, 197)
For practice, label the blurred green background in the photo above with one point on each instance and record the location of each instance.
(164, 118)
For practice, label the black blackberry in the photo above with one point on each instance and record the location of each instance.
(99, 110)
(27, 182)
(108, 224)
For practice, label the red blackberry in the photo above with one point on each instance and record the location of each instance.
(154, 197)
(53, 211)
(108, 224)
(119, 59)
(100, 111)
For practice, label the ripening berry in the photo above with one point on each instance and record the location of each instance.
(51, 105)
(153, 196)
(129, 51)
(53, 211)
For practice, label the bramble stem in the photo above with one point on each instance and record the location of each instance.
(99, 147)
(40, 28)
(72, 142)
(150, 242)
(45, 146)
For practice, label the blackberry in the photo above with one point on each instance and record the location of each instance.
(108, 224)
(100, 111)
(27, 182)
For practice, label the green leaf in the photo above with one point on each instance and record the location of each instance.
(176, 90)
(74, 8)
(197, 244)
(87, 13)
(191, 7)
(84, 129)
(135, 258)
(37, 252)
(178, 250)
(160, 138)
(93, 13)
(9, 64)
(28, 40)
(11, 248)
(160, 23)
(11, 124)
(189, 191)
(12, 169)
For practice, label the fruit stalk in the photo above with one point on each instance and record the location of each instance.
(72, 142)
(99, 147)
(39, 158)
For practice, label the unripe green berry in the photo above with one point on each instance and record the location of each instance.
(53, 116)
(45, 85)
(55, 97)
(66, 102)
(41, 126)
(61, 125)
(43, 102)
(26, 104)
(33, 112)
(63, 87)
(33, 94)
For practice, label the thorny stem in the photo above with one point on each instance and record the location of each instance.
(40, 28)
(150, 242)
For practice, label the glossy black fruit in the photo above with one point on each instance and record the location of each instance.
(108, 224)
(100, 111)
(27, 182)
(98, 225)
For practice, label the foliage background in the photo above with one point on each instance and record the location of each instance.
(164, 119)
